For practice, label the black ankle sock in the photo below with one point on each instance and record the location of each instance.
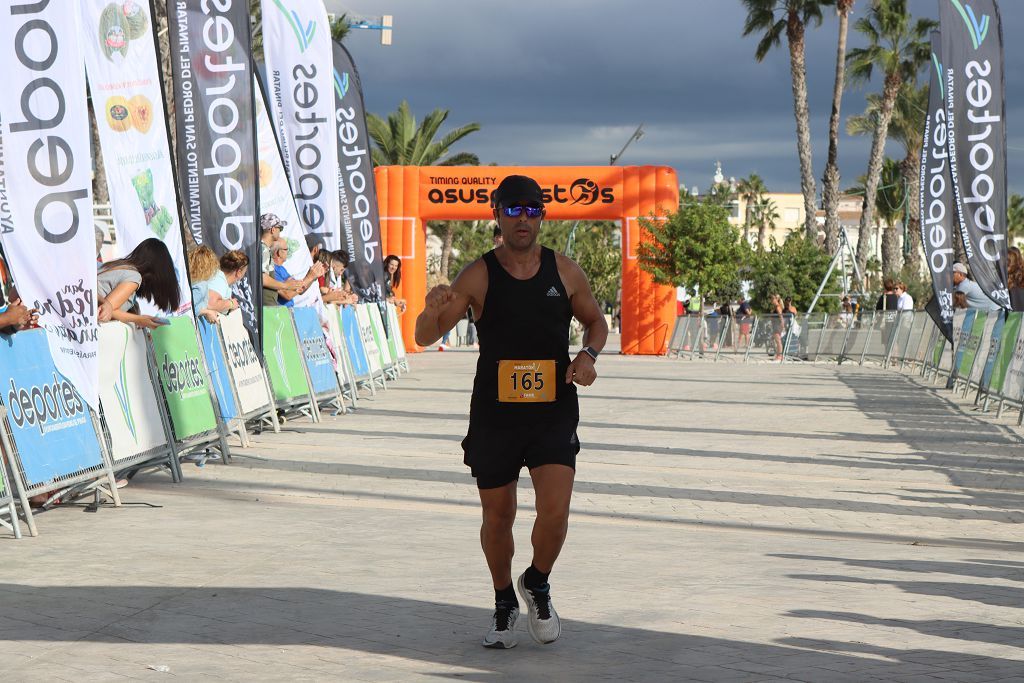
(507, 594)
(535, 578)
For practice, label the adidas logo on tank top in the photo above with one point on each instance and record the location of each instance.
(553, 292)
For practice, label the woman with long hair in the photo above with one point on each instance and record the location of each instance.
(147, 272)
(1015, 278)
(392, 279)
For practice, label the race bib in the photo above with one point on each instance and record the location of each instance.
(526, 381)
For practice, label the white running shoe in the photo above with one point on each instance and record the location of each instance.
(502, 635)
(542, 620)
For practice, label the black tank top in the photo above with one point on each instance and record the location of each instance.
(523, 320)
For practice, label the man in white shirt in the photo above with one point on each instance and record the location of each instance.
(975, 297)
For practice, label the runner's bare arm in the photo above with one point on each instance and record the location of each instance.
(447, 305)
(585, 309)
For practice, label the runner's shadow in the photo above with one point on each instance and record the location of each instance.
(436, 634)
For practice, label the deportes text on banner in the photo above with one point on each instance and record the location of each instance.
(275, 198)
(972, 45)
(47, 171)
(297, 46)
(936, 192)
(127, 97)
(183, 378)
(213, 93)
(357, 191)
(49, 420)
(246, 371)
(127, 394)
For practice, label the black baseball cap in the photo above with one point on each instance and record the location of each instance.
(515, 189)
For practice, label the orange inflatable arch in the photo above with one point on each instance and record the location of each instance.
(411, 195)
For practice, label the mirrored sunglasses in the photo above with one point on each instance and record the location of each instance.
(517, 210)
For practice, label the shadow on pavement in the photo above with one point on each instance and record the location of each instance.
(434, 633)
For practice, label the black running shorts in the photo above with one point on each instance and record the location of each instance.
(496, 454)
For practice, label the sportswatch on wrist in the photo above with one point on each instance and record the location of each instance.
(591, 351)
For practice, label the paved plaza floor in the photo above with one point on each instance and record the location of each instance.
(731, 523)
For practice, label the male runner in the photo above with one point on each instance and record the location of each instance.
(524, 409)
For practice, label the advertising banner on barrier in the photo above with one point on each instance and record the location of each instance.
(972, 335)
(47, 172)
(127, 97)
(281, 352)
(276, 198)
(315, 351)
(49, 420)
(357, 191)
(127, 394)
(1013, 384)
(369, 340)
(213, 94)
(297, 46)
(183, 378)
(972, 45)
(379, 335)
(938, 221)
(246, 371)
(1007, 344)
(990, 347)
(209, 335)
(357, 354)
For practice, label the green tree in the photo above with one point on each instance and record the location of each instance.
(695, 246)
(766, 213)
(770, 19)
(597, 250)
(400, 141)
(751, 189)
(905, 127)
(898, 47)
(1015, 217)
(830, 181)
(794, 269)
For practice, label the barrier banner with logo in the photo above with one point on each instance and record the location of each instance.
(209, 335)
(297, 47)
(128, 397)
(183, 378)
(275, 197)
(972, 344)
(936, 193)
(1007, 345)
(354, 342)
(127, 98)
(972, 45)
(990, 347)
(49, 419)
(246, 371)
(1013, 384)
(213, 95)
(281, 352)
(357, 191)
(365, 325)
(962, 322)
(50, 244)
(315, 351)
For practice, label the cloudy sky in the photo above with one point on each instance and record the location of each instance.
(565, 82)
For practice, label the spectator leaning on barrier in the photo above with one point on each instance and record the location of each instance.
(232, 267)
(146, 272)
(270, 235)
(1015, 278)
(959, 300)
(392, 280)
(202, 264)
(975, 297)
(888, 300)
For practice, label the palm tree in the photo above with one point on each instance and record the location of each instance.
(399, 141)
(770, 18)
(904, 127)
(766, 213)
(751, 189)
(890, 203)
(898, 47)
(1015, 218)
(830, 181)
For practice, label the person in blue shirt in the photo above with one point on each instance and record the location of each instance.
(975, 297)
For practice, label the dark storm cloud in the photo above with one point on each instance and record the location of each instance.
(567, 82)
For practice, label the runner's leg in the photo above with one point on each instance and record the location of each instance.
(499, 513)
(553, 487)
